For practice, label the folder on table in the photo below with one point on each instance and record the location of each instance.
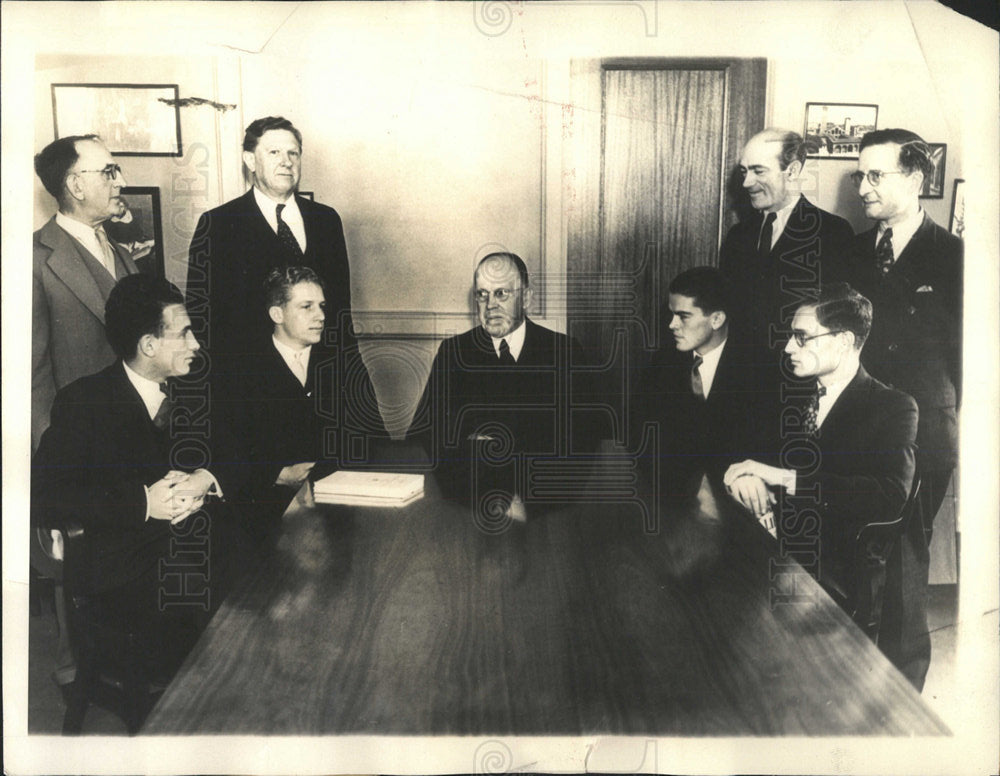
(374, 489)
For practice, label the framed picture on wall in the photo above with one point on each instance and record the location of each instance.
(140, 228)
(957, 221)
(934, 183)
(132, 119)
(834, 130)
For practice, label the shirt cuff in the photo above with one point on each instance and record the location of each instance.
(215, 489)
(788, 481)
(146, 491)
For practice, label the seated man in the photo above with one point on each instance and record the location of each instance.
(112, 461)
(498, 391)
(708, 393)
(848, 455)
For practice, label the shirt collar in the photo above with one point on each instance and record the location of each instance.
(833, 391)
(902, 232)
(287, 351)
(781, 219)
(78, 229)
(148, 390)
(709, 366)
(268, 207)
(515, 341)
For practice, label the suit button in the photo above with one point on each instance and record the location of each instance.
(893, 347)
(912, 309)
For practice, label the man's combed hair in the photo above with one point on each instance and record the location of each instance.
(513, 258)
(279, 281)
(135, 308)
(258, 127)
(914, 153)
(707, 287)
(52, 163)
(793, 147)
(841, 308)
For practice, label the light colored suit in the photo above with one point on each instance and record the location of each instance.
(68, 293)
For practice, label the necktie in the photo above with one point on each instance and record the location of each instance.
(108, 254)
(162, 417)
(697, 388)
(506, 358)
(883, 253)
(766, 234)
(812, 411)
(285, 236)
(301, 371)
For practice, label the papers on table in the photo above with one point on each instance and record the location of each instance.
(369, 489)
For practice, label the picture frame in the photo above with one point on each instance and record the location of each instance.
(956, 223)
(132, 119)
(141, 229)
(833, 130)
(933, 187)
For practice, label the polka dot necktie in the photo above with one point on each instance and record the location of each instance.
(883, 253)
(812, 412)
(285, 236)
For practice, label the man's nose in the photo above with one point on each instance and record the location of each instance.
(749, 179)
(675, 323)
(119, 179)
(864, 187)
(193, 341)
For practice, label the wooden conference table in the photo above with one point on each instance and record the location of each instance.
(415, 621)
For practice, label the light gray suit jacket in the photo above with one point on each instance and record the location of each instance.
(67, 317)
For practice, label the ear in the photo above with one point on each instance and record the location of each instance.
(850, 339)
(276, 314)
(147, 345)
(250, 161)
(73, 186)
(794, 170)
(718, 320)
(527, 295)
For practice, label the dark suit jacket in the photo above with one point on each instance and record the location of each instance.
(91, 466)
(862, 472)
(810, 251)
(67, 317)
(525, 407)
(705, 436)
(233, 249)
(916, 340)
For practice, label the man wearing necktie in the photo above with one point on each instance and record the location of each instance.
(788, 248)
(117, 459)
(708, 392)
(912, 270)
(74, 268)
(497, 391)
(847, 454)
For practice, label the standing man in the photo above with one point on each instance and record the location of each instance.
(780, 257)
(912, 271)
(74, 268)
(238, 243)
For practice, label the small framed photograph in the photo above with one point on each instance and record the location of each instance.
(132, 119)
(957, 221)
(934, 183)
(140, 229)
(834, 129)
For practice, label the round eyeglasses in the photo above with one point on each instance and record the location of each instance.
(801, 339)
(874, 177)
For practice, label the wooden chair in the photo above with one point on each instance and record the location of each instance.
(109, 655)
(859, 589)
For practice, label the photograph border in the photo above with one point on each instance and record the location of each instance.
(805, 126)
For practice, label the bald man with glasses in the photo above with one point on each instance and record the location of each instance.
(912, 270)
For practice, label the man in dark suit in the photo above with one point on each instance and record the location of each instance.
(236, 244)
(912, 270)
(112, 461)
(74, 268)
(497, 391)
(780, 257)
(847, 455)
(709, 394)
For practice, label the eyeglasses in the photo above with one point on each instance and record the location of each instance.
(874, 177)
(500, 294)
(110, 172)
(801, 339)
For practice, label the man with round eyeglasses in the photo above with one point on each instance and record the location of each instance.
(912, 270)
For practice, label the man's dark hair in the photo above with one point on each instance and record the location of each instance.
(793, 147)
(514, 259)
(52, 163)
(707, 287)
(135, 308)
(841, 308)
(258, 127)
(914, 153)
(279, 281)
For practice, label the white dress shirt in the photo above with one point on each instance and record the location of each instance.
(902, 232)
(291, 215)
(86, 236)
(709, 365)
(827, 400)
(780, 220)
(515, 341)
(296, 360)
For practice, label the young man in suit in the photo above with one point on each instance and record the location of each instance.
(847, 455)
(499, 390)
(781, 256)
(912, 270)
(74, 268)
(708, 392)
(117, 459)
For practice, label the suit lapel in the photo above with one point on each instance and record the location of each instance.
(853, 394)
(793, 223)
(67, 263)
